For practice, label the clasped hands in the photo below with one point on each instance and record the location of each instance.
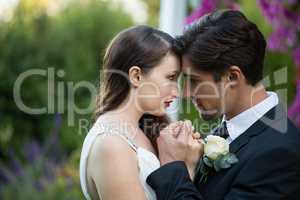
(179, 142)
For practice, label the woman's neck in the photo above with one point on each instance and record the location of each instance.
(126, 115)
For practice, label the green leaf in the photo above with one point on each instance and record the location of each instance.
(203, 169)
(223, 162)
(207, 161)
(217, 165)
(231, 158)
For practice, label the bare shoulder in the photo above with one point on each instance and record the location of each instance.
(109, 150)
(112, 146)
(114, 164)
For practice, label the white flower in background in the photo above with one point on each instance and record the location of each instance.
(215, 146)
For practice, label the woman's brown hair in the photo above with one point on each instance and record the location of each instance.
(141, 46)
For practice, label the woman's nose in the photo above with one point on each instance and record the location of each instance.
(175, 92)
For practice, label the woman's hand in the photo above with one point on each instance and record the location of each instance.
(179, 142)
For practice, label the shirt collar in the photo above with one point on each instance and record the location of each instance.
(240, 123)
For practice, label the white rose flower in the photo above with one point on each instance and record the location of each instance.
(215, 146)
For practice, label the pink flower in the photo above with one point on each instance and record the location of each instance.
(296, 56)
(206, 6)
(282, 38)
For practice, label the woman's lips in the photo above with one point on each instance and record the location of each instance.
(168, 103)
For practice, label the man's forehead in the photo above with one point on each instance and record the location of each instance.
(187, 66)
(186, 62)
(189, 71)
(195, 73)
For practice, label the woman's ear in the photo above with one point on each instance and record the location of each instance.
(135, 75)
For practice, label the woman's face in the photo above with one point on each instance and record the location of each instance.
(159, 86)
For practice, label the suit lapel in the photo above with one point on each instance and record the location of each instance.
(270, 119)
(272, 116)
(244, 139)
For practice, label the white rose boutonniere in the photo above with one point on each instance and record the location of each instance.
(215, 146)
(216, 156)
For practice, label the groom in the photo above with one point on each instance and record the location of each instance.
(223, 56)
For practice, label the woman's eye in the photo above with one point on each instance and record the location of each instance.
(172, 77)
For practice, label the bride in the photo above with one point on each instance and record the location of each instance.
(140, 71)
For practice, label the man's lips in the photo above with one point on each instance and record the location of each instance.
(198, 104)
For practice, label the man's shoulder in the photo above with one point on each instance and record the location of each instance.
(273, 138)
(280, 131)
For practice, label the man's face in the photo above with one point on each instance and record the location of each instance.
(206, 94)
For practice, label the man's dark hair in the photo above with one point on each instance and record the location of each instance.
(222, 39)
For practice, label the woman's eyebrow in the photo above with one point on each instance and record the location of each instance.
(177, 72)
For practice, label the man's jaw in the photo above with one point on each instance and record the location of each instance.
(206, 114)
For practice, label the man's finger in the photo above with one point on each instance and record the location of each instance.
(177, 130)
(196, 135)
(184, 132)
(173, 126)
(201, 141)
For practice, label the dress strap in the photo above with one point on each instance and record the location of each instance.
(129, 141)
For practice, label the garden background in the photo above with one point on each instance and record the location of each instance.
(65, 40)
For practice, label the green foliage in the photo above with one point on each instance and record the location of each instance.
(225, 161)
(152, 11)
(273, 61)
(72, 40)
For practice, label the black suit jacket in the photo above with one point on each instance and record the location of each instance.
(268, 167)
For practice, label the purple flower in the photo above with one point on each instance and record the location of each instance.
(292, 1)
(32, 151)
(15, 164)
(205, 7)
(282, 38)
(297, 23)
(292, 16)
(230, 4)
(294, 109)
(275, 42)
(272, 10)
(296, 56)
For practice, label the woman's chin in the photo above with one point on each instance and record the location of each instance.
(158, 113)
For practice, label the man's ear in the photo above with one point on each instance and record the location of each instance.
(235, 74)
(135, 75)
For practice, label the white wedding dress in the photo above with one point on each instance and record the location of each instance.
(147, 161)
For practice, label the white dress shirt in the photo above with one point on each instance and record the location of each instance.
(240, 123)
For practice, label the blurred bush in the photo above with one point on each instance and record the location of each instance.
(71, 38)
(39, 154)
(41, 176)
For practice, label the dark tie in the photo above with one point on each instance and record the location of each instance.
(222, 131)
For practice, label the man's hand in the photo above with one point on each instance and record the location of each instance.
(194, 152)
(179, 142)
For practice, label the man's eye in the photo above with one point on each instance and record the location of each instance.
(193, 80)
